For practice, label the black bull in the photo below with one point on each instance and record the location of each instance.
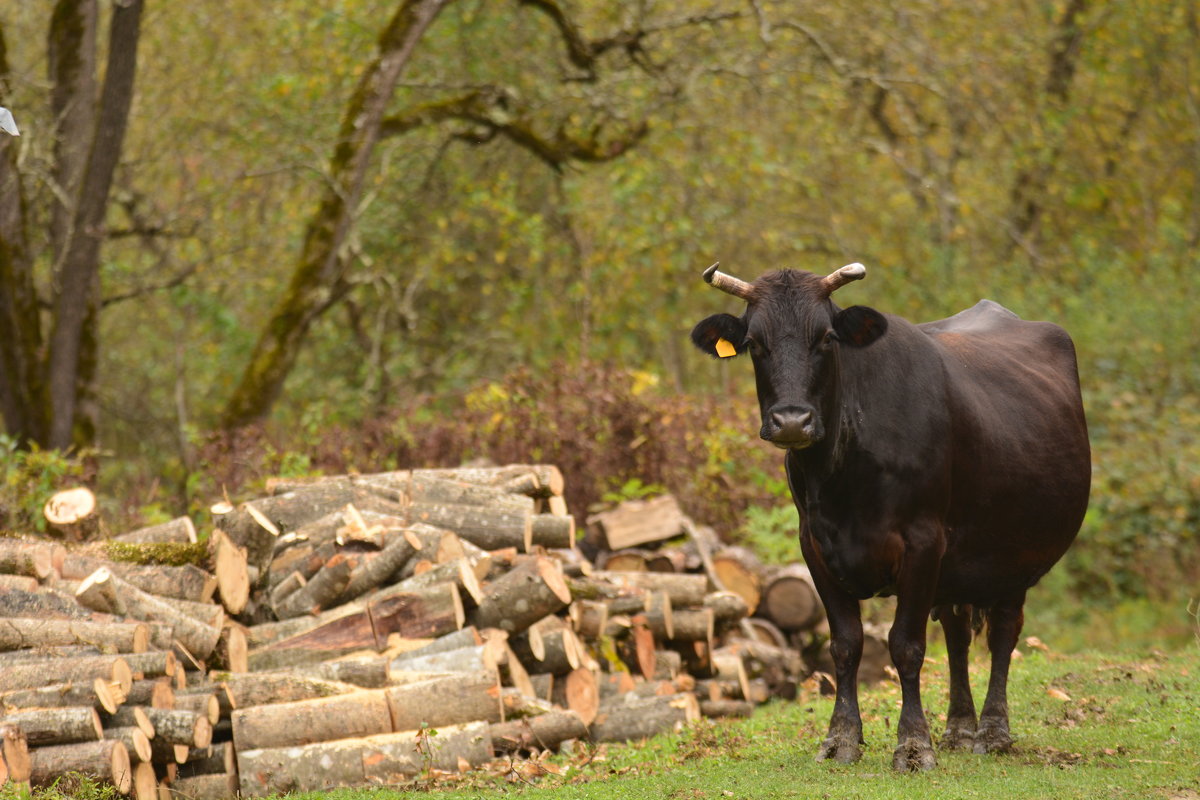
(946, 463)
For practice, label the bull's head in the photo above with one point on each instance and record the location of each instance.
(793, 332)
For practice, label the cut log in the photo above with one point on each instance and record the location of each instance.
(31, 559)
(152, 664)
(321, 591)
(631, 559)
(134, 739)
(44, 726)
(21, 582)
(156, 692)
(552, 531)
(763, 630)
(726, 708)
(44, 602)
(187, 582)
(22, 632)
(728, 666)
(72, 513)
(728, 608)
(479, 658)
(425, 613)
(180, 726)
(218, 758)
(145, 781)
(359, 713)
(14, 752)
(380, 569)
(588, 618)
(207, 786)
(644, 717)
(445, 700)
(168, 753)
(179, 530)
(382, 759)
(790, 600)
(542, 732)
(549, 647)
(526, 594)
(489, 527)
(740, 572)
(131, 717)
(683, 590)
(267, 688)
(99, 693)
(644, 650)
(636, 522)
(578, 691)
(106, 760)
(231, 570)
(81, 669)
(780, 667)
(204, 705)
(289, 584)
(368, 672)
(457, 571)
(103, 591)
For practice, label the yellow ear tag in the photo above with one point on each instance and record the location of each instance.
(725, 348)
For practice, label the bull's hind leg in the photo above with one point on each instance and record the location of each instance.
(960, 719)
(1004, 626)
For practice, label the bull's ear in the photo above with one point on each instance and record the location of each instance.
(858, 326)
(721, 335)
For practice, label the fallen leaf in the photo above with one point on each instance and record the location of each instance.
(1058, 694)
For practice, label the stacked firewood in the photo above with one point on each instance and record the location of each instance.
(357, 630)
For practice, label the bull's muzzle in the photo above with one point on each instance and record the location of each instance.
(790, 428)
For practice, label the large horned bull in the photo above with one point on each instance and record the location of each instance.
(945, 463)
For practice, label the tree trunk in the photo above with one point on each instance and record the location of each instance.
(319, 279)
(72, 347)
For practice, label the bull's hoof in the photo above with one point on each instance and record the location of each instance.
(959, 735)
(992, 738)
(842, 749)
(914, 755)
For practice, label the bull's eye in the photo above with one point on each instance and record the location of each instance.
(826, 340)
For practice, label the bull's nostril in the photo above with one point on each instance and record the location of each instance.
(791, 425)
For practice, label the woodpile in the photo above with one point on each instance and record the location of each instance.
(328, 628)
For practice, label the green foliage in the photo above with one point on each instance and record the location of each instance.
(773, 533)
(632, 489)
(72, 786)
(29, 477)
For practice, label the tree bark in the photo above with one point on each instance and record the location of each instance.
(445, 700)
(542, 732)
(45, 726)
(120, 637)
(67, 670)
(642, 718)
(187, 582)
(72, 347)
(522, 597)
(360, 713)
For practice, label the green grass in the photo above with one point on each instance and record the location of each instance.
(1130, 729)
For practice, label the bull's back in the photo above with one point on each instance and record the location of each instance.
(1021, 462)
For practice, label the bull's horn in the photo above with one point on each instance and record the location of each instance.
(727, 283)
(840, 277)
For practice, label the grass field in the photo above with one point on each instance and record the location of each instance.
(1087, 726)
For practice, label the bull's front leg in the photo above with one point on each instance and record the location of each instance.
(916, 585)
(844, 741)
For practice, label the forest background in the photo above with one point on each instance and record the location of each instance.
(240, 239)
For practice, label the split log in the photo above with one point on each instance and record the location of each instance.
(179, 531)
(231, 570)
(636, 522)
(187, 582)
(105, 760)
(542, 732)
(740, 572)
(14, 752)
(344, 716)
(134, 739)
(22, 632)
(46, 726)
(72, 513)
(207, 786)
(103, 591)
(445, 700)
(588, 618)
(526, 594)
(382, 759)
(99, 693)
(790, 600)
(112, 669)
(644, 717)
(30, 559)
